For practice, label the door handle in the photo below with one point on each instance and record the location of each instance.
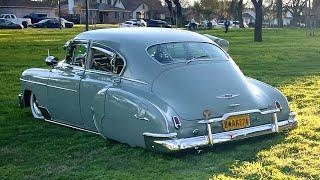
(79, 73)
(116, 81)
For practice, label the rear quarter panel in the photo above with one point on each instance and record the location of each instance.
(123, 103)
(275, 95)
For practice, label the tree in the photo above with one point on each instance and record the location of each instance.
(235, 9)
(258, 21)
(169, 4)
(209, 8)
(240, 9)
(269, 11)
(295, 7)
(279, 13)
(178, 10)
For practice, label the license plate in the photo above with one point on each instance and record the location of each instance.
(236, 122)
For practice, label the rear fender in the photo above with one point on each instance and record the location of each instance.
(275, 95)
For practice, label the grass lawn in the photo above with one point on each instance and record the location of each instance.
(33, 149)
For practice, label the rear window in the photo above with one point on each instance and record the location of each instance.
(185, 52)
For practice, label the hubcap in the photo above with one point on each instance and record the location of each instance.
(34, 107)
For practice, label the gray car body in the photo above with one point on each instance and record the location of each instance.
(147, 94)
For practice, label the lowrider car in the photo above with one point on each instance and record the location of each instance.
(161, 89)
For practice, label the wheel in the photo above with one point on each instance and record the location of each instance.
(35, 107)
(24, 24)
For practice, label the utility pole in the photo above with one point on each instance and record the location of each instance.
(59, 12)
(87, 15)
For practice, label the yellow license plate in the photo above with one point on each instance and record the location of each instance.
(236, 122)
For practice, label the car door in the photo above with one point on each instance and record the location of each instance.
(98, 77)
(63, 85)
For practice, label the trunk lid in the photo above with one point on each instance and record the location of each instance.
(216, 86)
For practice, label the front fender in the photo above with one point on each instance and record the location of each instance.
(35, 80)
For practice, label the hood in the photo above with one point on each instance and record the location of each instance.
(216, 86)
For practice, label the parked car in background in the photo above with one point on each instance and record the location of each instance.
(75, 18)
(67, 24)
(49, 23)
(11, 17)
(139, 21)
(158, 23)
(162, 89)
(36, 17)
(6, 24)
(130, 24)
(192, 25)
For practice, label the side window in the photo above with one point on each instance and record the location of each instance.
(105, 60)
(76, 54)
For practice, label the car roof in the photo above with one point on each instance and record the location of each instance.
(144, 36)
(132, 43)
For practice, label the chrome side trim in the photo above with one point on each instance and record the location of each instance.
(74, 127)
(134, 80)
(225, 116)
(43, 84)
(33, 82)
(169, 135)
(61, 88)
(195, 142)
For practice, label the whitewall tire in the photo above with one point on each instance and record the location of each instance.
(35, 107)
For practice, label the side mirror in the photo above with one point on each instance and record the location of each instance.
(51, 61)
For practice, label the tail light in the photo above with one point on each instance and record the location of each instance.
(277, 104)
(176, 122)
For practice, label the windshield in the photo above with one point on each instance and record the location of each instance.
(1, 16)
(185, 52)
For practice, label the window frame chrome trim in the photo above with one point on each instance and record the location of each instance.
(178, 62)
(99, 45)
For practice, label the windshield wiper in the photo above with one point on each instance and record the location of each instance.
(196, 58)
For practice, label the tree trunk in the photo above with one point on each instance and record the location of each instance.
(240, 9)
(169, 4)
(279, 13)
(258, 20)
(178, 12)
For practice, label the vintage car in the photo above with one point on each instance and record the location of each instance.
(161, 89)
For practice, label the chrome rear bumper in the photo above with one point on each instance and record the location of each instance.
(175, 144)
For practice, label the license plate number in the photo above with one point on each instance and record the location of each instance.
(236, 122)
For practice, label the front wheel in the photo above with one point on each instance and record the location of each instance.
(24, 24)
(35, 107)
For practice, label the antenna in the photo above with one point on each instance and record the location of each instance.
(48, 52)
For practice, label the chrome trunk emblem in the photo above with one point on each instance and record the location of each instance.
(234, 105)
(227, 96)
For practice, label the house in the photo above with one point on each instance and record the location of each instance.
(249, 17)
(23, 7)
(116, 11)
